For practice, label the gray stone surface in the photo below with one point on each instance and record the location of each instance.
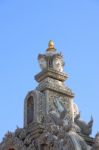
(51, 117)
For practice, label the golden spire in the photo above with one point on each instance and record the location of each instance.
(51, 46)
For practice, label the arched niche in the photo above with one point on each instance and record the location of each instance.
(30, 110)
(32, 107)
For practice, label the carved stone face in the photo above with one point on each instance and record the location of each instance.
(43, 64)
(57, 64)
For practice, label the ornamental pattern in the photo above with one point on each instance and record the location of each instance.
(51, 118)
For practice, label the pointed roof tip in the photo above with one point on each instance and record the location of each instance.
(51, 47)
(92, 117)
(97, 134)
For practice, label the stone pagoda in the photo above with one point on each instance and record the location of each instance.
(51, 118)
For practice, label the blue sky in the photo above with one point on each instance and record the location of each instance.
(25, 29)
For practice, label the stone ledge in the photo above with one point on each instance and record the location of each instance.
(65, 91)
(51, 73)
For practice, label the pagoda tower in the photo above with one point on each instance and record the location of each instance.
(51, 118)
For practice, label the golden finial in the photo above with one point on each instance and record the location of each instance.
(51, 46)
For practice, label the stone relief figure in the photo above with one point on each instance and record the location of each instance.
(58, 112)
(86, 128)
(58, 64)
(62, 131)
(42, 62)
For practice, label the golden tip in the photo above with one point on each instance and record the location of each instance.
(51, 44)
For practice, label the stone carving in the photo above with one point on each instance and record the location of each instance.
(58, 64)
(20, 140)
(59, 138)
(34, 107)
(56, 135)
(86, 128)
(63, 100)
(42, 62)
(51, 59)
(58, 113)
(51, 118)
(96, 142)
(75, 110)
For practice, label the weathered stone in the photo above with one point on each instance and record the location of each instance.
(51, 118)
